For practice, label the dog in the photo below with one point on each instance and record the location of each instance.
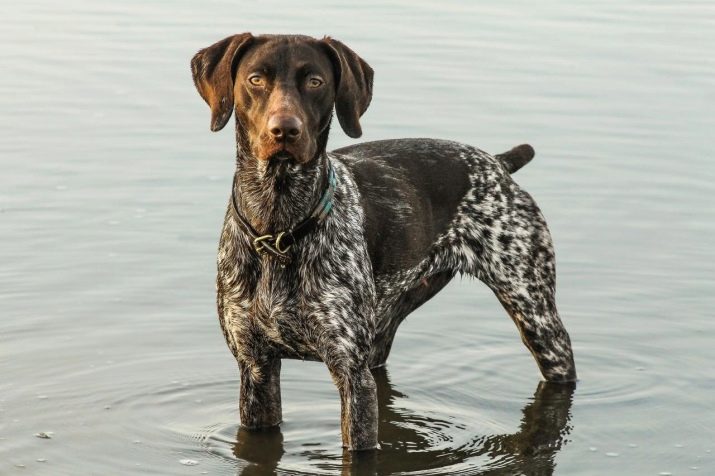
(323, 254)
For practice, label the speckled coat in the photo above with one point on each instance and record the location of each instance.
(341, 302)
(407, 216)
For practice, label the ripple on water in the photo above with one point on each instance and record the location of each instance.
(435, 420)
(607, 374)
(616, 375)
(413, 438)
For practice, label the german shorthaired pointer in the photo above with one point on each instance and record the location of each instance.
(323, 254)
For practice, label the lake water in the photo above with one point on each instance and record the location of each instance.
(113, 190)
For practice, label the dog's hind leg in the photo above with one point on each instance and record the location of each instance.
(514, 256)
(541, 330)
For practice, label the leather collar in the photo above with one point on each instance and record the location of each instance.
(278, 245)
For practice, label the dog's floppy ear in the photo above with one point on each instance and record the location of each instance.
(213, 69)
(353, 77)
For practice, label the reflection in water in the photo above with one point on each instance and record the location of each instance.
(261, 449)
(406, 443)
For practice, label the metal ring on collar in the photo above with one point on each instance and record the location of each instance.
(258, 242)
(278, 243)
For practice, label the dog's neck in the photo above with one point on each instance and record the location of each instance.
(274, 196)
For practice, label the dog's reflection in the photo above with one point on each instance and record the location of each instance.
(531, 450)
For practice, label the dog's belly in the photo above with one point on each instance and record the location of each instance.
(397, 300)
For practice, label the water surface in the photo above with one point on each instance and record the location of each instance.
(112, 194)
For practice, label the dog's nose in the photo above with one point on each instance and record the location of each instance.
(285, 127)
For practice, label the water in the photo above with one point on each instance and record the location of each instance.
(112, 194)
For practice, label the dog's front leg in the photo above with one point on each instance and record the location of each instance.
(260, 399)
(358, 407)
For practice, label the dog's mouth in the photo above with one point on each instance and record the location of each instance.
(290, 154)
(282, 155)
(280, 163)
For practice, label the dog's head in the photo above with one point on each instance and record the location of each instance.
(283, 89)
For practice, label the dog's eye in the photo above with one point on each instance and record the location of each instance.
(256, 80)
(315, 82)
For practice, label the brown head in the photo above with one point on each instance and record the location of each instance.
(283, 89)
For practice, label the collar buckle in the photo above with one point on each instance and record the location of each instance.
(278, 246)
(270, 245)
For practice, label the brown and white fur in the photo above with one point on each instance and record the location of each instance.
(407, 216)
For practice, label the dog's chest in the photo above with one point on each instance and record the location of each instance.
(267, 303)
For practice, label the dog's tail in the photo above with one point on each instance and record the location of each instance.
(516, 158)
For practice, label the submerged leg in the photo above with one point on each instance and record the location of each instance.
(358, 409)
(518, 264)
(541, 332)
(260, 399)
